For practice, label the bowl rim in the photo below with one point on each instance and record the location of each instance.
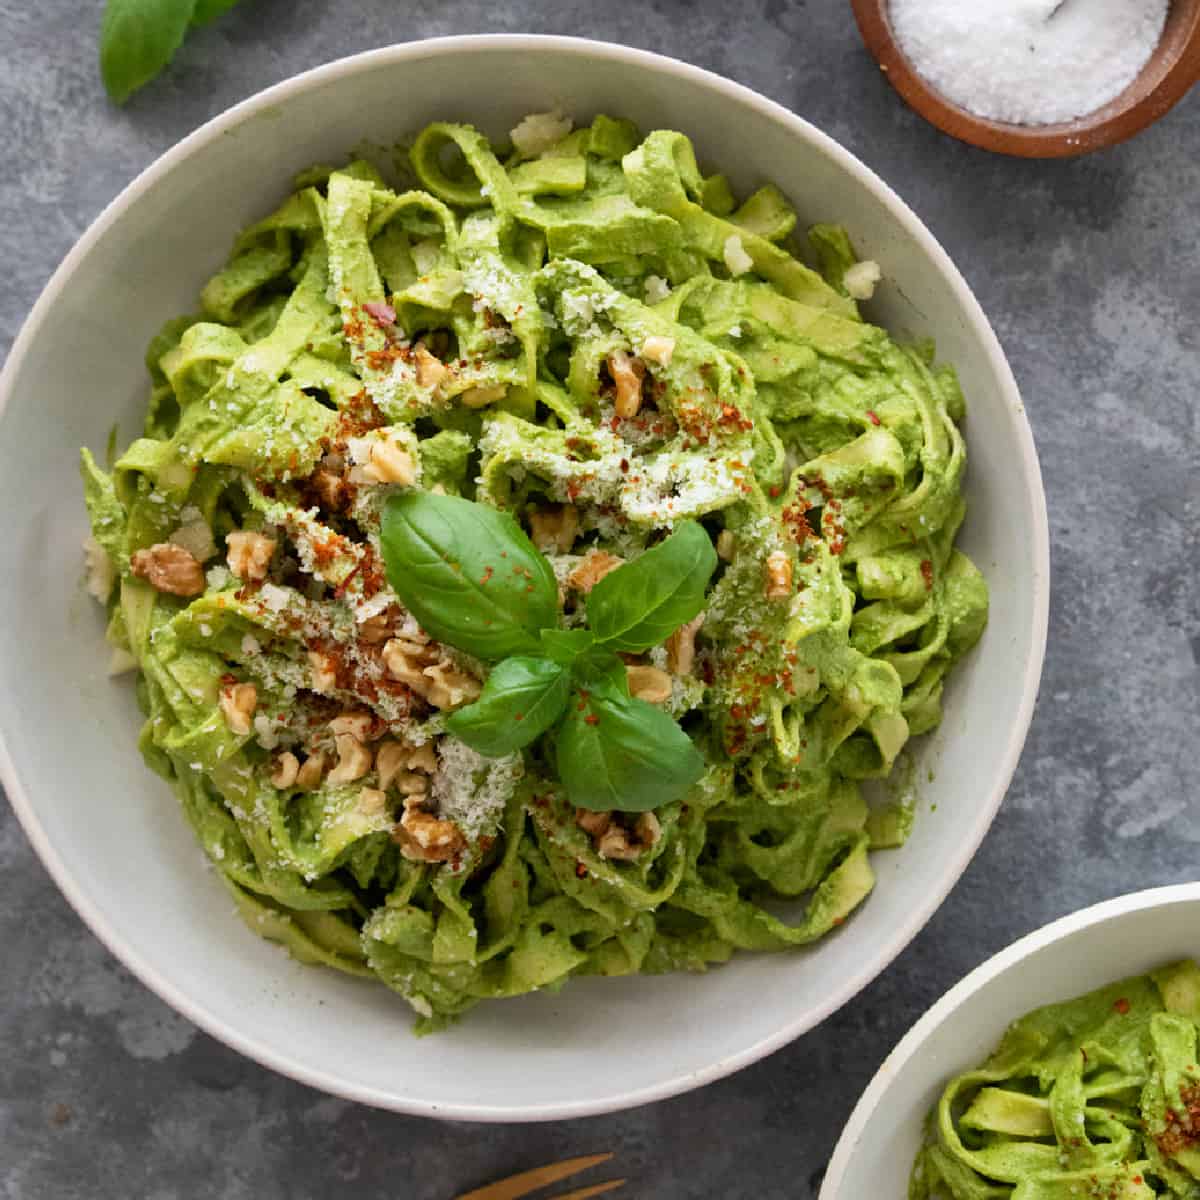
(965, 990)
(149, 973)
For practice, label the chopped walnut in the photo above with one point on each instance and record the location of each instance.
(440, 683)
(284, 770)
(594, 567)
(354, 759)
(449, 687)
(425, 837)
(311, 771)
(331, 489)
(249, 553)
(423, 758)
(779, 575)
(358, 724)
(411, 783)
(628, 373)
(648, 683)
(392, 758)
(681, 646)
(372, 802)
(324, 672)
(658, 349)
(592, 823)
(481, 397)
(387, 462)
(613, 837)
(376, 629)
(554, 529)
(726, 544)
(169, 568)
(430, 369)
(238, 702)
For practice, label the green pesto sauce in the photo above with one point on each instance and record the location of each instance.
(1098, 1097)
(467, 327)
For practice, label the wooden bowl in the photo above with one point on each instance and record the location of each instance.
(1172, 69)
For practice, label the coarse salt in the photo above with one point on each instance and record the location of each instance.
(1029, 62)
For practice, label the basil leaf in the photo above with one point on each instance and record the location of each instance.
(564, 646)
(210, 10)
(602, 672)
(137, 39)
(522, 698)
(624, 754)
(643, 602)
(468, 574)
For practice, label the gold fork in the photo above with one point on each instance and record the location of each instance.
(516, 1186)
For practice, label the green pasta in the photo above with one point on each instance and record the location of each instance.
(583, 331)
(1098, 1097)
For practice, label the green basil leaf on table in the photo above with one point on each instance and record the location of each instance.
(624, 754)
(564, 646)
(468, 573)
(138, 38)
(522, 698)
(210, 10)
(642, 603)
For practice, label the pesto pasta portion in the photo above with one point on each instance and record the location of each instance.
(525, 568)
(1095, 1097)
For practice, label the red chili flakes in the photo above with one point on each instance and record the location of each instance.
(775, 491)
(382, 358)
(734, 417)
(581, 872)
(872, 417)
(353, 329)
(591, 719)
(1182, 1126)
(574, 487)
(624, 465)
(1122, 1005)
(927, 574)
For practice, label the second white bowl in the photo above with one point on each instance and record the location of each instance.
(1070, 957)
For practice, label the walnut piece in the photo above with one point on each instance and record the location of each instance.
(628, 373)
(430, 369)
(681, 646)
(238, 702)
(169, 568)
(285, 767)
(331, 489)
(358, 724)
(376, 629)
(424, 837)
(372, 802)
(308, 777)
(779, 575)
(248, 553)
(354, 759)
(594, 567)
(387, 462)
(648, 683)
(324, 672)
(480, 397)
(440, 683)
(393, 759)
(614, 836)
(658, 349)
(554, 529)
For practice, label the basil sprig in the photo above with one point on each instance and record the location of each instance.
(474, 580)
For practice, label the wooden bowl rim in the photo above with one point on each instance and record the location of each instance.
(1122, 117)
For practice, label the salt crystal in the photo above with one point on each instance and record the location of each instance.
(1029, 62)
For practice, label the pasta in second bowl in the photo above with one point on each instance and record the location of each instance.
(564, 331)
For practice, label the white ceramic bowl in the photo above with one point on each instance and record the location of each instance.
(1086, 950)
(110, 832)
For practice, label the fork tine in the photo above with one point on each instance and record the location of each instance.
(596, 1189)
(516, 1186)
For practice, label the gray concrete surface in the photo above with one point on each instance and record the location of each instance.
(1090, 271)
